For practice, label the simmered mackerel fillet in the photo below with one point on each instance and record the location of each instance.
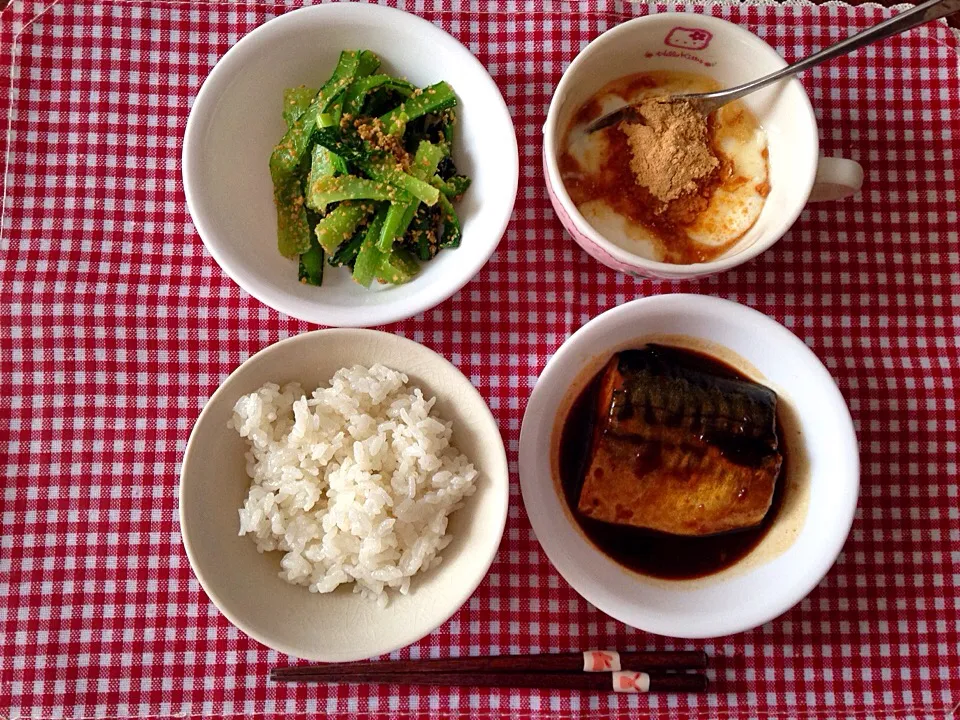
(680, 451)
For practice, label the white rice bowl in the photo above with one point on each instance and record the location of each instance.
(354, 484)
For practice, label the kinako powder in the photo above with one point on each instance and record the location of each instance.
(669, 147)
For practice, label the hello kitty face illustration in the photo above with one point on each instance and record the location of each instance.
(688, 38)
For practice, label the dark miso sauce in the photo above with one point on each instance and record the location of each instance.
(651, 553)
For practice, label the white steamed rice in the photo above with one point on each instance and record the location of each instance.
(353, 483)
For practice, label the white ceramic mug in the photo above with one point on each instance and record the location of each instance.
(730, 55)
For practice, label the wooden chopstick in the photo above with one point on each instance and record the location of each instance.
(554, 662)
(632, 682)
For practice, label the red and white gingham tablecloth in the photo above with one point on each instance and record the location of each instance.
(116, 326)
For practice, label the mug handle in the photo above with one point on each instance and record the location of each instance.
(836, 179)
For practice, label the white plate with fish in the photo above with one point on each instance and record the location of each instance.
(329, 507)
(689, 466)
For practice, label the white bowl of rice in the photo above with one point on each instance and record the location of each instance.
(342, 494)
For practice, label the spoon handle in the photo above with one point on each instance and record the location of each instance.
(923, 13)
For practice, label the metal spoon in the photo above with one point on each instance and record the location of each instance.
(706, 103)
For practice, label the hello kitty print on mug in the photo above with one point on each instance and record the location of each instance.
(688, 38)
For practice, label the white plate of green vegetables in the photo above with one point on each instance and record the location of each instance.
(350, 164)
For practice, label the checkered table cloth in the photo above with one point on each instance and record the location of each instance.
(116, 326)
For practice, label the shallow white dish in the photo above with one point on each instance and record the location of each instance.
(235, 121)
(818, 509)
(338, 626)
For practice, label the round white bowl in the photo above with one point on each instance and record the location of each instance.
(235, 123)
(729, 54)
(822, 456)
(339, 626)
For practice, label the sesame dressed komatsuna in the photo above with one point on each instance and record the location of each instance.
(363, 176)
